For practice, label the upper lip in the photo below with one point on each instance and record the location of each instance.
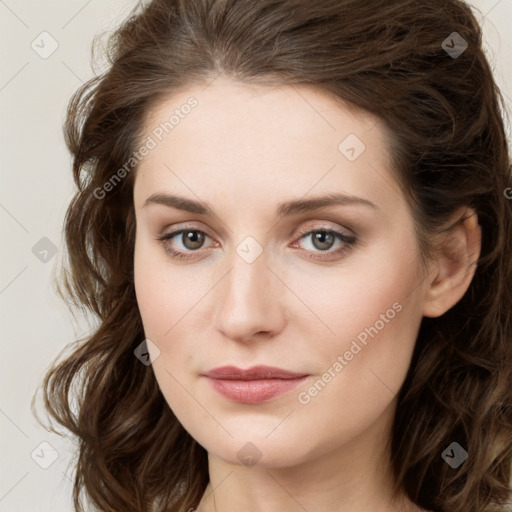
(254, 373)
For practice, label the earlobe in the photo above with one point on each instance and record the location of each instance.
(455, 265)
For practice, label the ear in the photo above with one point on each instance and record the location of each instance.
(455, 264)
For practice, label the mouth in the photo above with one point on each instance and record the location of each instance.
(254, 385)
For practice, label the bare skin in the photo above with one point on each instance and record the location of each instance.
(244, 150)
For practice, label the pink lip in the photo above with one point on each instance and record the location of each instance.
(254, 385)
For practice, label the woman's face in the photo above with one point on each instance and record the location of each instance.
(261, 283)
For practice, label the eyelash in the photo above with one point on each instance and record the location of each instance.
(349, 242)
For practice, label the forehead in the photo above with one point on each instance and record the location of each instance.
(266, 143)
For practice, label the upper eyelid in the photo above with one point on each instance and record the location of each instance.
(299, 231)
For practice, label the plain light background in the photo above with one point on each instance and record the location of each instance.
(36, 189)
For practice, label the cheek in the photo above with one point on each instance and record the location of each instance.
(171, 303)
(149, 292)
(373, 313)
(161, 308)
(160, 298)
(363, 370)
(369, 289)
(162, 291)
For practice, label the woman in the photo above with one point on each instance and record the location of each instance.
(294, 230)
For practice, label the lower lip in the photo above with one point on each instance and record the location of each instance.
(254, 391)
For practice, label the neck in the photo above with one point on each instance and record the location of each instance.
(347, 478)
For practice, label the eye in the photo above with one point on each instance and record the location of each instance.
(193, 241)
(324, 238)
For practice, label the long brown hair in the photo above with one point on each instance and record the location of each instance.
(397, 59)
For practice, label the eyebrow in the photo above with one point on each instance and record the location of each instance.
(285, 209)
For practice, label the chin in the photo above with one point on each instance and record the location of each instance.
(260, 450)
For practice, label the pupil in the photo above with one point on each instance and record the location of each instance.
(319, 238)
(195, 238)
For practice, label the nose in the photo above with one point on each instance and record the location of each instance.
(250, 300)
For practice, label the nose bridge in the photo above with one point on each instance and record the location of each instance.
(249, 277)
(246, 302)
